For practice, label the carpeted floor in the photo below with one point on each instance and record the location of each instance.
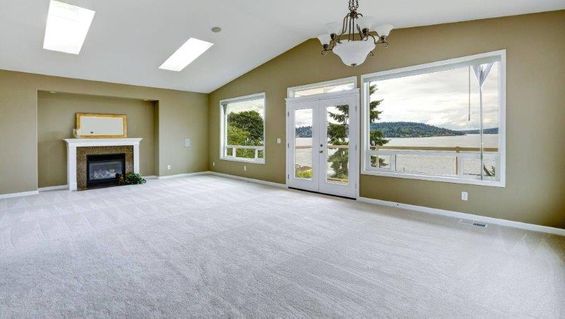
(212, 247)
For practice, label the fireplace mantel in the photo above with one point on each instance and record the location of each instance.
(73, 143)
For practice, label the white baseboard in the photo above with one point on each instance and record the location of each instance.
(478, 218)
(64, 187)
(247, 179)
(183, 175)
(53, 188)
(21, 194)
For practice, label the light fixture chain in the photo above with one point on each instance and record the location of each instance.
(353, 5)
(352, 43)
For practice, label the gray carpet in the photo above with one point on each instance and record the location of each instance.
(212, 247)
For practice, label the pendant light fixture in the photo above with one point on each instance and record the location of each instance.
(355, 38)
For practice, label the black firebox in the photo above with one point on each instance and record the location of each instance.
(105, 169)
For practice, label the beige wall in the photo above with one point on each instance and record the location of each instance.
(535, 191)
(56, 120)
(179, 115)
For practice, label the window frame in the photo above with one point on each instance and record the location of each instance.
(223, 128)
(291, 91)
(425, 68)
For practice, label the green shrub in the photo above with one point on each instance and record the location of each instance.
(133, 179)
(304, 173)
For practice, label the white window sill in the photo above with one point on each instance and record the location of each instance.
(444, 179)
(244, 160)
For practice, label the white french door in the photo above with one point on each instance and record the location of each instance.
(322, 143)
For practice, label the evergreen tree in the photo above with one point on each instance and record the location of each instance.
(338, 134)
(376, 137)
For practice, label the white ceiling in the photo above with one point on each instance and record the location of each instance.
(129, 39)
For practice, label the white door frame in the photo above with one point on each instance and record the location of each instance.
(317, 103)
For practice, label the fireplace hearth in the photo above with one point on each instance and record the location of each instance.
(105, 169)
(78, 150)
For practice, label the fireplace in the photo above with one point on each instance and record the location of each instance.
(79, 149)
(104, 169)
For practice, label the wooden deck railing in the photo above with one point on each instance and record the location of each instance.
(234, 149)
(458, 153)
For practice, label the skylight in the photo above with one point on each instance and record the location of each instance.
(67, 26)
(187, 53)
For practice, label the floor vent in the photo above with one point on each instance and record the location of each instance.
(473, 223)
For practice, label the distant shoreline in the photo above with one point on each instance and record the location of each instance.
(408, 130)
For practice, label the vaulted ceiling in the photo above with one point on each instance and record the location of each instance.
(129, 39)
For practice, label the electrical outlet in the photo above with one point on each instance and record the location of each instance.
(169, 167)
(187, 143)
(214, 164)
(279, 140)
(245, 168)
(464, 196)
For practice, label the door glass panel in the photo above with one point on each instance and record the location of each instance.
(303, 119)
(337, 159)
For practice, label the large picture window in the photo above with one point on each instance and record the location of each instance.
(243, 129)
(441, 121)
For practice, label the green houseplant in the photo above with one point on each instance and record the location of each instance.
(133, 179)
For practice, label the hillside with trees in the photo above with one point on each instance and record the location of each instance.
(485, 131)
(304, 131)
(406, 129)
(412, 129)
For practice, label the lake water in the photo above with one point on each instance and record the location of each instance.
(470, 140)
(433, 165)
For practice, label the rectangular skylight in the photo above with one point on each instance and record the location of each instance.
(187, 53)
(67, 26)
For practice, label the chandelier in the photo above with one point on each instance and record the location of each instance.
(354, 39)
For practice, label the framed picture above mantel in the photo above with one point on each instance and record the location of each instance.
(100, 125)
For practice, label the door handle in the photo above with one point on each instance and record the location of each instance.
(321, 152)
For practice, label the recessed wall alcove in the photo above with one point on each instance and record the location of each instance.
(56, 120)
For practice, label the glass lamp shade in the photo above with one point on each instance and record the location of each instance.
(334, 28)
(384, 30)
(354, 53)
(366, 22)
(324, 38)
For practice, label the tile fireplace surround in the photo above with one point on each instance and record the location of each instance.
(78, 149)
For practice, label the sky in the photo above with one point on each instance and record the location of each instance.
(303, 117)
(247, 105)
(439, 99)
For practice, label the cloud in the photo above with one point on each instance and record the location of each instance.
(249, 105)
(440, 98)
